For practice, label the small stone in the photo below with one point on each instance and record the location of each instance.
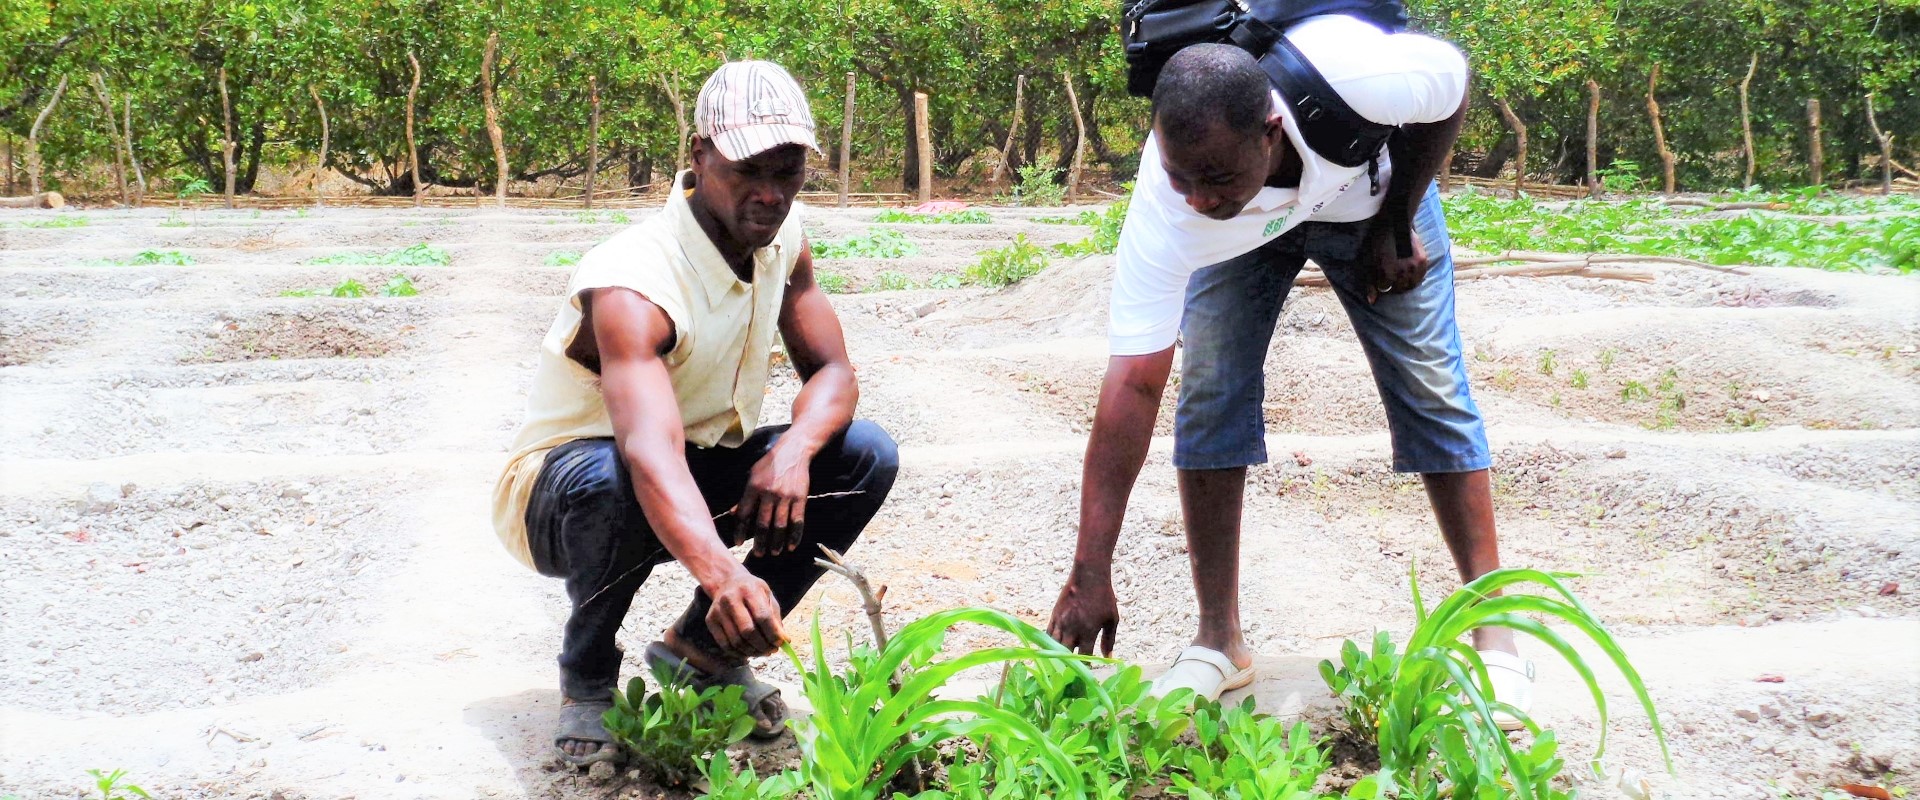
(1868, 611)
(926, 308)
(1622, 453)
(226, 502)
(251, 657)
(1822, 716)
(1761, 395)
(601, 772)
(1769, 710)
(99, 499)
(1889, 589)
(1747, 714)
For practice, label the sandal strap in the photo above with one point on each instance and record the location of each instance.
(581, 722)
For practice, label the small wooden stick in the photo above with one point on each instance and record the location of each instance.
(869, 599)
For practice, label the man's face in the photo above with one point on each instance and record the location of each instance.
(750, 197)
(1219, 173)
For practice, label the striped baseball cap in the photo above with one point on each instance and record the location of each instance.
(748, 107)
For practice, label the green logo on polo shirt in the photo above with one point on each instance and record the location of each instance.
(1276, 225)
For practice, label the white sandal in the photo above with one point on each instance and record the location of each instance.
(1206, 671)
(1512, 679)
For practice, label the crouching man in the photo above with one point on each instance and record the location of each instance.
(642, 442)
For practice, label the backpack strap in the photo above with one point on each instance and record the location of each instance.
(1331, 127)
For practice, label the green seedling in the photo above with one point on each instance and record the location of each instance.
(1505, 380)
(1106, 231)
(1037, 187)
(1634, 391)
(418, 255)
(891, 281)
(1008, 265)
(111, 787)
(876, 244)
(674, 732)
(832, 283)
(1668, 380)
(57, 221)
(1579, 379)
(147, 258)
(1243, 754)
(602, 217)
(1607, 357)
(348, 288)
(944, 280)
(1429, 710)
(725, 783)
(299, 293)
(562, 258)
(965, 217)
(1547, 362)
(1748, 420)
(399, 286)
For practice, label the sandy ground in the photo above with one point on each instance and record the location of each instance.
(248, 551)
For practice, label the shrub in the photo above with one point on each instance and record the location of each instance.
(675, 730)
(1008, 265)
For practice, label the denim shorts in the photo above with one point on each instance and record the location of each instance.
(1411, 342)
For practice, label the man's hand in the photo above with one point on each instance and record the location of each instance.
(773, 510)
(1086, 615)
(745, 619)
(1381, 266)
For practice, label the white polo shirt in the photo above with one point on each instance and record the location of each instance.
(1393, 79)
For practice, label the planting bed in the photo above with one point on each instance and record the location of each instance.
(249, 549)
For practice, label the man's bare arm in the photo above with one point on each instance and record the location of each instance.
(629, 334)
(1086, 613)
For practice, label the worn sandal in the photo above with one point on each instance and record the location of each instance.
(1206, 671)
(763, 699)
(1511, 678)
(580, 722)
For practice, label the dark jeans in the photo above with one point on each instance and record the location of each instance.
(584, 525)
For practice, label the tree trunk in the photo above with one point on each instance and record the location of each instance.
(846, 143)
(326, 134)
(593, 136)
(1886, 149)
(1593, 139)
(1006, 152)
(227, 144)
(6, 156)
(133, 159)
(1816, 157)
(33, 137)
(923, 147)
(671, 83)
(1659, 130)
(35, 200)
(1080, 142)
(413, 149)
(1446, 171)
(1746, 118)
(113, 135)
(1520, 135)
(488, 98)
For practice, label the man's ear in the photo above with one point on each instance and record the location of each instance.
(1276, 129)
(699, 151)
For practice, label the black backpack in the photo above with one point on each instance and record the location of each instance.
(1153, 30)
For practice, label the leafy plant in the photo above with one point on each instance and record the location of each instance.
(1634, 390)
(964, 217)
(1429, 709)
(832, 282)
(1121, 737)
(418, 255)
(299, 293)
(726, 783)
(399, 286)
(602, 217)
(1607, 357)
(57, 221)
(891, 281)
(675, 730)
(111, 788)
(348, 288)
(880, 715)
(148, 258)
(1547, 362)
(1037, 187)
(562, 258)
(1621, 177)
(1580, 379)
(1008, 265)
(944, 280)
(876, 244)
(1106, 231)
(1245, 755)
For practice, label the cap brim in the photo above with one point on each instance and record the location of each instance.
(746, 142)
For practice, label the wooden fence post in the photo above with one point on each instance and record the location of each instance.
(1816, 157)
(1593, 138)
(1006, 152)
(413, 149)
(1886, 149)
(846, 143)
(593, 136)
(1080, 144)
(925, 146)
(226, 146)
(1746, 118)
(1659, 130)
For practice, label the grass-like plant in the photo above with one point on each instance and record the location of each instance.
(111, 787)
(1119, 735)
(57, 221)
(880, 715)
(147, 258)
(876, 244)
(674, 731)
(1428, 708)
(891, 281)
(562, 258)
(1008, 265)
(832, 282)
(964, 217)
(418, 255)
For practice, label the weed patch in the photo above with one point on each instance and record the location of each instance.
(876, 244)
(562, 258)
(965, 217)
(1008, 265)
(147, 258)
(419, 255)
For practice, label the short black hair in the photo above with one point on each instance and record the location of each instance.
(1210, 86)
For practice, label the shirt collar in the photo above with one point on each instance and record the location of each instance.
(715, 276)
